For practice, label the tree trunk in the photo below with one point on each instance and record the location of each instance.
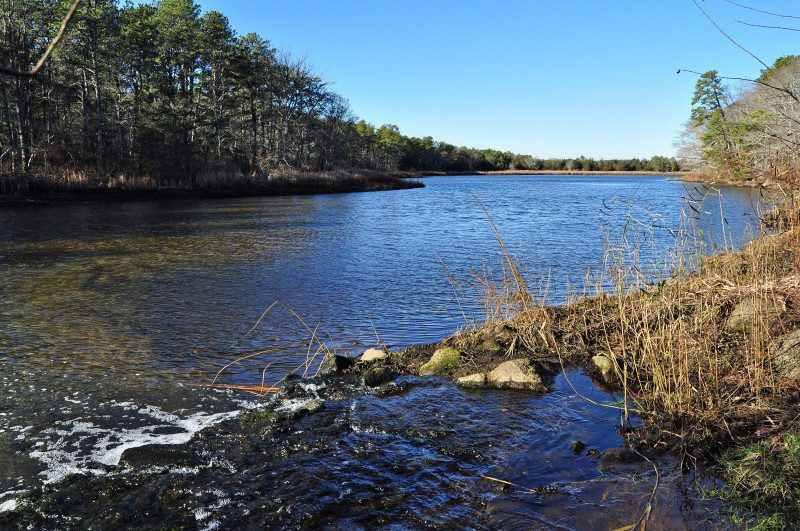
(101, 166)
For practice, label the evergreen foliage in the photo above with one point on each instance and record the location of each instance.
(164, 92)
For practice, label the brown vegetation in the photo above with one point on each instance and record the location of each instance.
(69, 185)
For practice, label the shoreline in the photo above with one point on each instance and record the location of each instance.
(47, 192)
(423, 174)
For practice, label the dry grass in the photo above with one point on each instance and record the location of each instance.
(667, 326)
(280, 181)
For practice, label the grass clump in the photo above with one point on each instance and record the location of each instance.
(764, 473)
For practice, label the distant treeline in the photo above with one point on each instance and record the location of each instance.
(163, 92)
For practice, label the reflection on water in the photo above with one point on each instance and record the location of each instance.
(109, 304)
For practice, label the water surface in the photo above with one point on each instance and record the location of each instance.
(113, 313)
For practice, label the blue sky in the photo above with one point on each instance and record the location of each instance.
(545, 78)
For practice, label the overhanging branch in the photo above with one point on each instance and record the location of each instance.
(40, 64)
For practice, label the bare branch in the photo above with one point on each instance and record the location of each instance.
(40, 64)
(760, 11)
(768, 27)
(757, 81)
(728, 36)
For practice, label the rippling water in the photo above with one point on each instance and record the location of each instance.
(113, 313)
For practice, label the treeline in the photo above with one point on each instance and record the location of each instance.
(164, 92)
(748, 133)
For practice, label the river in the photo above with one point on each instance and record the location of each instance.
(114, 315)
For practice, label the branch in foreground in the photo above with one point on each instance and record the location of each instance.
(40, 64)
(760, 11)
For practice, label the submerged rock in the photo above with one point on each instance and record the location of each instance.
(373, 354)
(614, 458)
(517, 374)
(753, 312)
(159, 455)
(473, 380)
(786, 354)
(442, 359)
(577, 447)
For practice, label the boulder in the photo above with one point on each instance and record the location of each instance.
(517, 374)
(605, 367)
(786, 355)
(336, 363)
(752, 312)
(373, 354)
(375, 377)
(473, 380)
(442, 359)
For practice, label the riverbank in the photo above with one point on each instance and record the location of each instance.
(763, 181)
(84, 188)
(708, 358)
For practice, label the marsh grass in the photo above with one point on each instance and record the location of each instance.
(212, 179)
(690, 334)
(666, 320)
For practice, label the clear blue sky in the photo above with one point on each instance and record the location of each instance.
(545, 78)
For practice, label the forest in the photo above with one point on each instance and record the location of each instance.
(167, 94)
(746, 130)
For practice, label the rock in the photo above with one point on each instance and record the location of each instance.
(158, 455)
(335, 364)
(786, 355)
(373, 354)
(311, 406)
(375, 377)
(577, 447)
(616, 458)
(594, 453)
(751, 312)
(516, 374)
(473, 380)
(605, 366)
(442, 359)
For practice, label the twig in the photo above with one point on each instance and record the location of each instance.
(760, 11)
(508, 483)
(780, 89)
(767, 27)
(643, 520)
(728, 36)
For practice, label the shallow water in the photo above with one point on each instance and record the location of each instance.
(113, 313)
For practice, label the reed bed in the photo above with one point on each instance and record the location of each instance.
(280, 181)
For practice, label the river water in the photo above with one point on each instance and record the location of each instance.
(113, 316)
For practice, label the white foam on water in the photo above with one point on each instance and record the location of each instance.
(82, 445)
(9, 505)
(292, 405)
